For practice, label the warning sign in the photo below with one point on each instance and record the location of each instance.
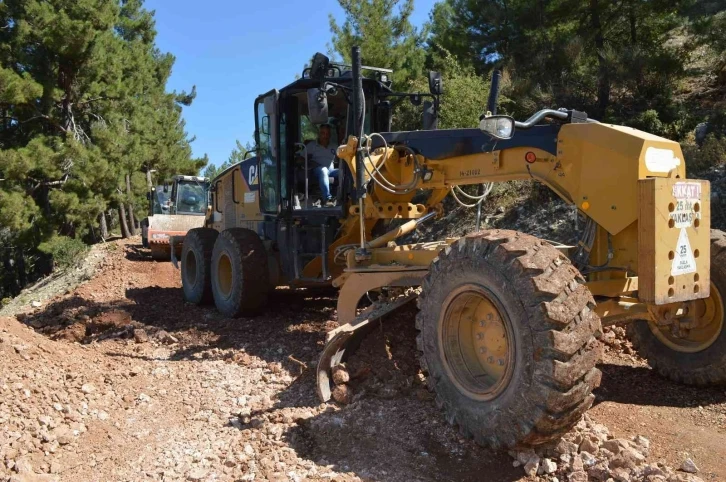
(683, 262)
(687, 190)
(687, 195)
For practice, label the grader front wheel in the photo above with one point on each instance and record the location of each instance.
(507, 335)
(692, 350)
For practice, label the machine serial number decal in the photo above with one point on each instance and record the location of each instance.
(470, 173)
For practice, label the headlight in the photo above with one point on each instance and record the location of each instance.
(499, 126)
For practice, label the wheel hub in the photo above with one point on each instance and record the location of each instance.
(690, 327)
(476, 342)
(224, 275)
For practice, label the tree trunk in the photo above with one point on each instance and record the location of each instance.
(122, 220)
(132, 219)
(11, 278)
(603, 81)
(103, 226)
(20, 264)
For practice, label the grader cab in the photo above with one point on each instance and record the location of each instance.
(508, 323)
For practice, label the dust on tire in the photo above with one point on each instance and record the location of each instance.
(249, 284)
(197, 280)
(706, 367)
(555, 326)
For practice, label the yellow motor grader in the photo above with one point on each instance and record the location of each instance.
(508, 323)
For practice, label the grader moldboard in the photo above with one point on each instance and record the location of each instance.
(507, 322)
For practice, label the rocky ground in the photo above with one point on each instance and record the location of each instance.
(118, 379)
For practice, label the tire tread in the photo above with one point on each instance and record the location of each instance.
(562, 308)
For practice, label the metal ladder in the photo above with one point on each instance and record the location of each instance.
(299, 255)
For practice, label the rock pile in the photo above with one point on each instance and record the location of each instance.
(591, 453)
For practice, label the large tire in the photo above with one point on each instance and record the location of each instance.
(542, 309)
(708, 365)
(196, 265)
(240, 276)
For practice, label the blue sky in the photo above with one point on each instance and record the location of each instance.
(233, 51)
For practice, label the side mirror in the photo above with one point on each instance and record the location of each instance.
(265, 127)
(166, 187)
(319, 67)
(436, 85)
(317, 106)
(499, 126)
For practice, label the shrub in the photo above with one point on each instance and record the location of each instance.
(712, 153)
(65, 251)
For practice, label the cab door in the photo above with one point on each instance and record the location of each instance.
(267, 137)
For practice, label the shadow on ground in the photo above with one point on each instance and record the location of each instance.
(392, 431)
(138, 253)
(618, 384)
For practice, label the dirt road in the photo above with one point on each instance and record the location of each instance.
(120, 380)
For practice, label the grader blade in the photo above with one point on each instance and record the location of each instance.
(348, 336)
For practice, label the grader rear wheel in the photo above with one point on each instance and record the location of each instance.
(697, 354)
(507, 335)
(240, 275)
(196, 265)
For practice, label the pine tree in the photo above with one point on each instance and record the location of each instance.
(238, 154)
(383, 30)
(84, 107)
(611, 59)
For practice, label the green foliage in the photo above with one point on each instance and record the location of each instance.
(83, 102)
(611, 59)
(238, 153)
(236, 156)
(65, 251)
(461, 103)
(383, 30)
(650, 121)
(211, 170)
(709, 30)
(711, 153)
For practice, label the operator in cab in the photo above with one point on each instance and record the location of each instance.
(322, 153)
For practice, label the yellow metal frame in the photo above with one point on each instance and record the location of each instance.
(597, 167)
(600, 168)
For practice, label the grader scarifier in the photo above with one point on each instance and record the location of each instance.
(507, 322)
